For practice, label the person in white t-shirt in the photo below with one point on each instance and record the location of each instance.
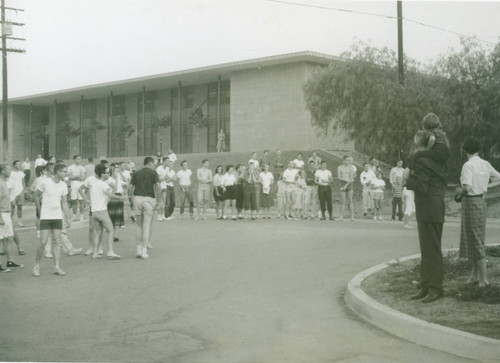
(53, 193)
(378, 187)
(39, 161)
(366, 177)
(289, 178)
(16, 182)
(324, 178)
(162, 171)
(184, 179)
(266, 179)
(254, 160)
(298, 162)
(76, 176)
(100, 193)
(229, 181)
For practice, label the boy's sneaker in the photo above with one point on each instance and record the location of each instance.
(12, 264)
(2, 269)
(58, 271)
(374, 218)
(75, 251)
(88, 252)
(144, 255)
(36, 270)
(49, 255)
(139, 252)
(21, 252)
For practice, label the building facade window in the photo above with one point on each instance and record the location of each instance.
(117, 125)
(62, 130)
(224, 122)
(147, 136)
(182, 130)
(89, 128)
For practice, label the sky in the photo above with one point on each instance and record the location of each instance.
(74, 43)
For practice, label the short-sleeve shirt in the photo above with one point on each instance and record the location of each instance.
(4, 197)
(477, 172)
(51, 198)
(377, 183)
(98, 197)
(289, 175)
(299, 164)
(184, 177)
(228, 179)
(16, 182)
(267, 180)
(162, 173)
(40, 162)
(144, 182)
(366, 176)
(324, 176)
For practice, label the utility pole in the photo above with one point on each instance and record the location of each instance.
(6, 34)
(400, 43)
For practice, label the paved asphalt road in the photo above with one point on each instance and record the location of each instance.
(212, 291)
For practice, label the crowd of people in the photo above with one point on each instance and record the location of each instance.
(295, 189)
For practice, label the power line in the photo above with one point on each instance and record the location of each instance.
(381, 16)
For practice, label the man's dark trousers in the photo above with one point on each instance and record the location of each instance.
(431, 265)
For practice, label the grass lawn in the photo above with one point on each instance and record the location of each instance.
(464, 307)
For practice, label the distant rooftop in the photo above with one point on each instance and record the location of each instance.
(168, 80)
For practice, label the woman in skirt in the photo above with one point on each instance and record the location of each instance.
(240, 194)
(229, 181)
(116, 207)
(218, 190)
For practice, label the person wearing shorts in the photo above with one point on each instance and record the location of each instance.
(53, 193)
(100, 193)
(6, 226)
(17, 191)
(76, 175)
(204, 175)
(146, 191)
(346, 173)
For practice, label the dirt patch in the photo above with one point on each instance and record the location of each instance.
(464, 307)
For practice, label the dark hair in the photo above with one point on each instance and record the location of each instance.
(148, 160)
(266, 151)
(15, 162)
(229, 166)
(299, 154)
(471, 145)
(345, 157)
(323, 161)
(75, 156)
(39, 169)
(49, 166)
(90, 159)
(431, 121)
(237, 166)
(217, 168)
(50, 157)
(104, 162)
(59, 161)
(58, 167)
(165, 158)
(183, 162)
(204, 161)
(365, 164)
(99, 170)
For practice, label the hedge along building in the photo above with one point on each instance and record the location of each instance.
(259, 104)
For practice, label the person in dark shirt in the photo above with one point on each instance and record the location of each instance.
(311, 198)
(428, 181)
(146, 192)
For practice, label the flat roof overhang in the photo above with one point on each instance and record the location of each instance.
(169, 80)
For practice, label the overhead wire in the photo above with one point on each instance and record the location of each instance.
(381, 16)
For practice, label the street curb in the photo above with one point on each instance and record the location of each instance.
(418, 331)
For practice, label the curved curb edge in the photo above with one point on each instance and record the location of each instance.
(418, 331)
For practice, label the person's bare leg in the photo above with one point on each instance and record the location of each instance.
(351, 204)
(44, 237)
(56, 242)
(342, 208)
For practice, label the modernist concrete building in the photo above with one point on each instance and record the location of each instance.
(258, 103)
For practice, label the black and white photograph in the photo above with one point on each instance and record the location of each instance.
(250, 181)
